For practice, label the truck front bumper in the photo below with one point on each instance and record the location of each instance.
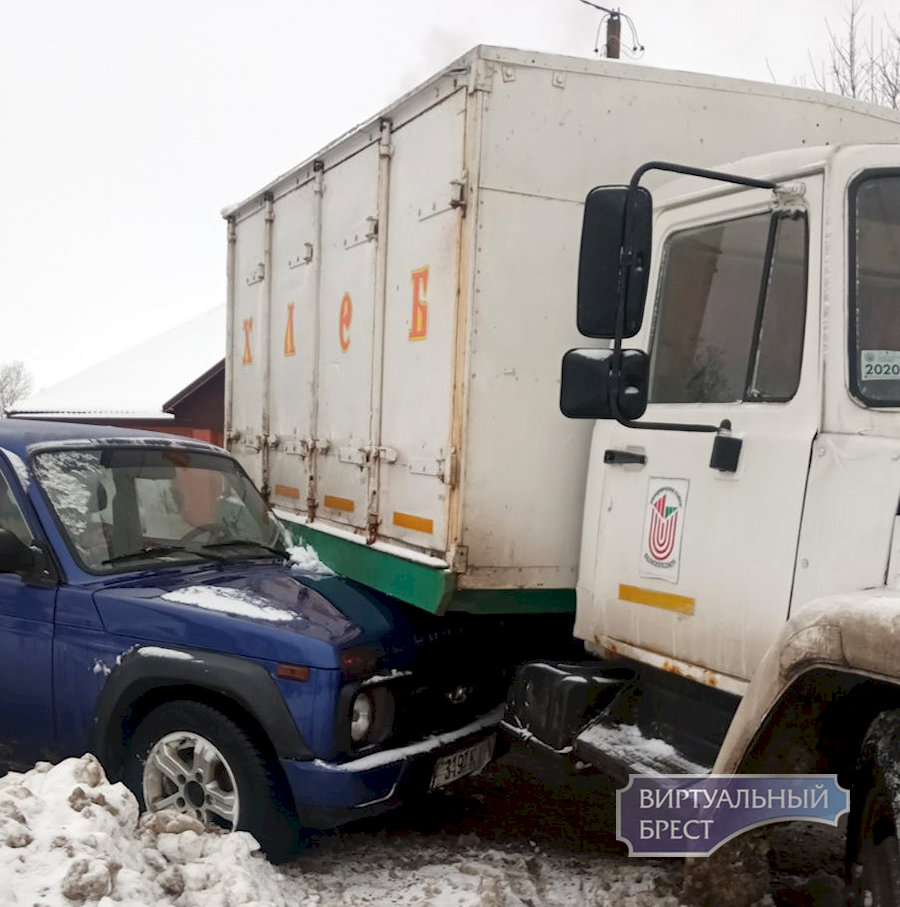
(332, 793)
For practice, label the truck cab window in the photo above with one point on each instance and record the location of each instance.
(731, 311)
(875, 289)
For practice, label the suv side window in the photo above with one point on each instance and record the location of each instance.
(10, 515)
(731, 312)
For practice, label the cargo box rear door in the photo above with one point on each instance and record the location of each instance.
(427, 184)
(346, 324)
(292, 344)
(246, 357)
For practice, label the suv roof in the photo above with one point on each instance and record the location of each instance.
(18, 435)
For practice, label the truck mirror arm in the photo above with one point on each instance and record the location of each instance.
(626, 268)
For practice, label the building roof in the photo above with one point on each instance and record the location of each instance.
(140, 382)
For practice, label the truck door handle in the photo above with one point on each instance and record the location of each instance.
(624, 456)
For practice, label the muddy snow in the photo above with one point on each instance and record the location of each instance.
(519, 834)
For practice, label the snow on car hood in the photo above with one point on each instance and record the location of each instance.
(262, 612)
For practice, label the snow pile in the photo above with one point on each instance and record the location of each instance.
(304, 559)
(68, 836)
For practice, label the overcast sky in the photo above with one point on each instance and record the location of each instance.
(127, 125)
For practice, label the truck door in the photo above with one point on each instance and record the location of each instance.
(696, 563)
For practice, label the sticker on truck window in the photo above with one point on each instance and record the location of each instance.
(663, 527)
(879, 365)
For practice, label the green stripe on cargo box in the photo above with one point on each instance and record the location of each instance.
(426, 587)
(429, 588)
(513, 601)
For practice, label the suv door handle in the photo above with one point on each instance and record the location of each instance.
(624, 456)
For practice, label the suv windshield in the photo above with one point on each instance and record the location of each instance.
(126, 508)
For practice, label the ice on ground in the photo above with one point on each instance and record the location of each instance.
(68, 836)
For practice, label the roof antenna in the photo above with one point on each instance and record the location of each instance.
(613, 20)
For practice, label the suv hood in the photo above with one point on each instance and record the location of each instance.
(269, 612)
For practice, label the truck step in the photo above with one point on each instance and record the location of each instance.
(622, 750)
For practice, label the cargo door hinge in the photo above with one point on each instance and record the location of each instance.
(459, 188)
(444, 468)
(246, 442)
(365, 232)
(457, 200)
(385, 454)
(257, 275)
(291, 444)
(451, 476)
(459, 558)
(372, 523)
(357, 456)
(298, 261)
(481, 74)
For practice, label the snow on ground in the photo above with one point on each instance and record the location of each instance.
(69, 837)
(518, 835)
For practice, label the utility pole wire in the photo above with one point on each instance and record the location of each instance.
(613, 39)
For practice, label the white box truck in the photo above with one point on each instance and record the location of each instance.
(739, 581)
(398, 303)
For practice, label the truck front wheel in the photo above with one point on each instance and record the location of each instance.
(873, 850)
(190, 758)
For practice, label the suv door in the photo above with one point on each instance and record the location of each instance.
(26, 639)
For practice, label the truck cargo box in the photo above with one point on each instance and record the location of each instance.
(399, 303)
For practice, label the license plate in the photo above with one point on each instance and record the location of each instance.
(464, 762)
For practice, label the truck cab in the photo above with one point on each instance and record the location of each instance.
(740, 537)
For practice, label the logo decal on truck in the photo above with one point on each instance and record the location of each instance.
(663, 525)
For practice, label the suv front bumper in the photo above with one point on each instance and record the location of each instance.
(332, 793)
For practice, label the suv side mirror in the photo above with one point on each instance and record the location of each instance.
(15, 555)
(587, 383)
(606, 252)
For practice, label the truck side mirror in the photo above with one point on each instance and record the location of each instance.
(606, 252)
(15, 555)
(587, 383)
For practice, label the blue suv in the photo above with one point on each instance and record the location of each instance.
(149, 613)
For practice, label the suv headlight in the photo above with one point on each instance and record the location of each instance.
(361, 717)
(371, 716)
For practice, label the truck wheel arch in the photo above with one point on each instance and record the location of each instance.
(819, 722)
(237, 686)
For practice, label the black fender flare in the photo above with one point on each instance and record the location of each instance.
(247, 683)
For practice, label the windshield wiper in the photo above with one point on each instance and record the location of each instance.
(278, 552)
(149, 551)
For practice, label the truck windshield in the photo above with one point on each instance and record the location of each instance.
(126, 508)
(875, 289)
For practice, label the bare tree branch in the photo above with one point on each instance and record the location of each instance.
(15, 383)
(858, 67)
